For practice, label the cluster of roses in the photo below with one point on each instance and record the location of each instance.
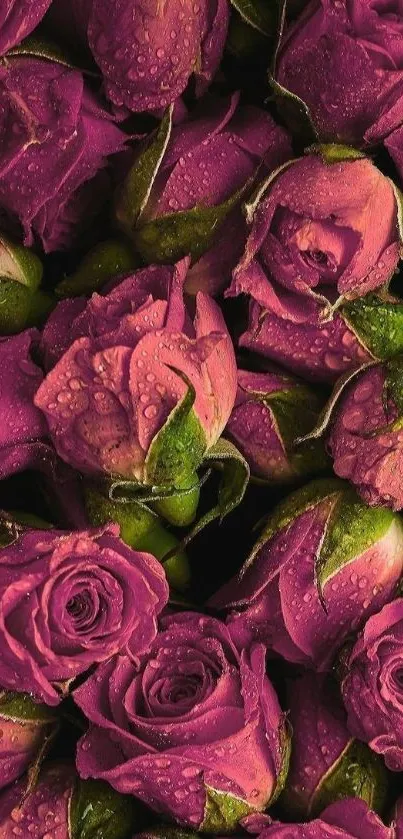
(139, 193)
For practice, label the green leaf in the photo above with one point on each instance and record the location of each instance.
(98, 812)
(19, 264)
(178, 448)
(260, 14)
(133, 197)
(189, 232)
(21, 708)
(106, 260)
(377, 323)
(223, 812)
(352, 528)
(335, 152)
(359, 773)
(394, 381)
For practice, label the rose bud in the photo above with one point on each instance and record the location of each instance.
(348, 819)
(64, 807)
(195, 732)
(365, 438)
(141, 391)
(345, 62)
(326, 762)
(372, 687)
(64, 137)
(147, 52)
(23, 429)
(209, 165)
(25, 729)
(323, 229)
(17, 19)
(69, 600)
(323, 563)
(270, 411)
(22, 302)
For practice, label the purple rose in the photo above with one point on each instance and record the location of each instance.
(25, 727)
(61, 806)
(324, 229)
(365, 439)
(59, 133)
(211, 157)
(270, 412)
(23, 430)
(196, 732)
(326, 762)
(372, 688)
(127, 362)
(17, 19)
(324, 563)
(68, 600)
(348, 819)
(397, 816)
(345, 61)
(148, 51)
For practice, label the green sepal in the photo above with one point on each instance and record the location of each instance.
(377, 323)
(19, 264)
(20, 707)
(106, 260)
(260, 14)
(359, 773)
(399, 205)
(298, 408)
(294, 110)
(142, 530)
(394, 381)
(245, 42)
(15, 304)
(97, 811)
(223, 812)
(335, 152)
(285, 732)
(135, 192)
(37, 47)
(171, 237)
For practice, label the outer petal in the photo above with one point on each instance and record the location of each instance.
(17, 19)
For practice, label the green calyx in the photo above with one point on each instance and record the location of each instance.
(377, 323)
(259, 14)
(104, 262)
(350, 527)
(22, 302)
(21, 708)
(358, 773)
(97, 811)
(223, 812)
(394, 383)
(335, 152)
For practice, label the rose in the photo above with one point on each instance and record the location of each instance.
(323, 229)
(68, 600)
(326, 762)
(147, 51)
(345, 61)
(323, 563)
(63, 806)
(17, 19)
(350, 818)
(142, 377)
(210, 162)
(196, 732)
(372, 687)
(59, 132)
(270, 412)
(25, 729)
(365, 438)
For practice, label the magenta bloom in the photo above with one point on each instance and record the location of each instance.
(345, 62)
(270, 412)
(324, 563)
(348, 819)
(127, 361)
(321, 230)
(17, 19)
(68, 600)
(372, 688)
(61, 134)
(326, 762)
(209, 158)
(148, 51)
(366, 438)
(197, 714)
